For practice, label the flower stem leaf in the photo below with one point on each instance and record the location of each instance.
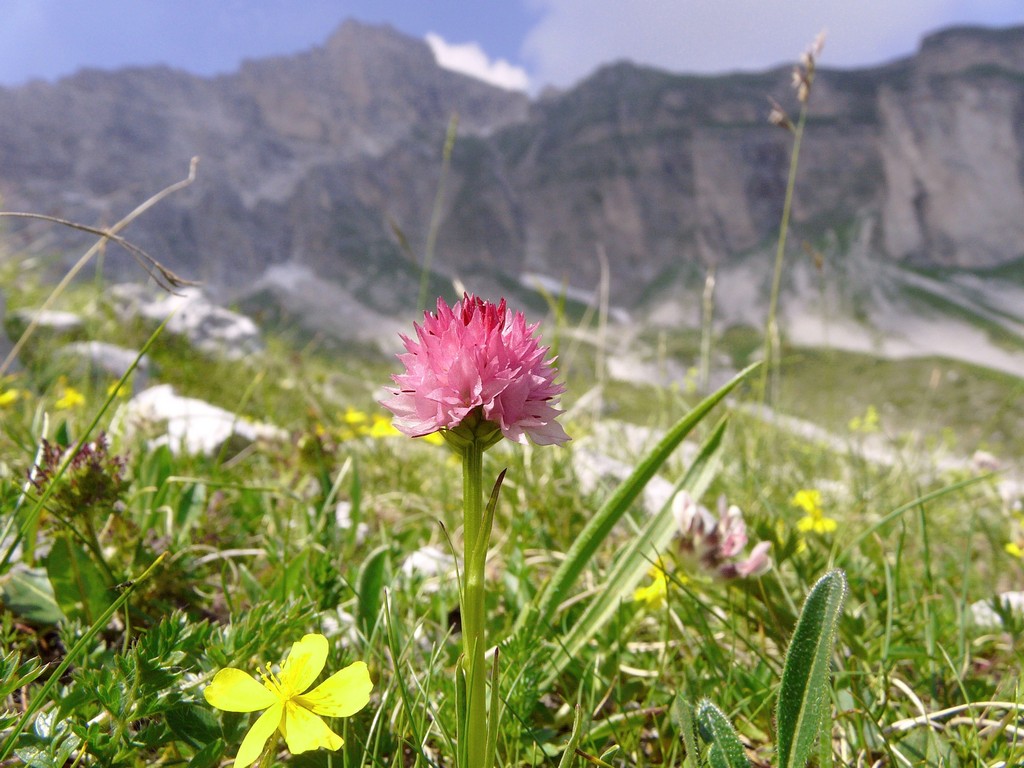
(803, 695)
(484, 535)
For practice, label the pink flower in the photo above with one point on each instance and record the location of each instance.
(716, 546)
(478, 359)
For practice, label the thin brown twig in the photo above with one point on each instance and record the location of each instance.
(164, 277)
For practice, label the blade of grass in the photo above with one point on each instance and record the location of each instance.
(636, 558)
(601, 524)
(852, 546)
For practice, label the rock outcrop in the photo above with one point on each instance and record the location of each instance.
(329, 160)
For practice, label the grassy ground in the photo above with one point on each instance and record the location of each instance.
(257, 553)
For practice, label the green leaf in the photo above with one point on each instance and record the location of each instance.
(803, 695)
(574, 739)
(78, 585)
(636, 557)
(724, 747)
(682, 719)
(193, 724)
(370, 589)
(27, 593)
(601, 524)
(15, 675)
(208, 756)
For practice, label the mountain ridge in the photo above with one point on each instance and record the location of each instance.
(320, 159)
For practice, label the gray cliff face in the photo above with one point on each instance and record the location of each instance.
(318, 160)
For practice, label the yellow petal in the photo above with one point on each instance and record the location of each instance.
(303, 664)
(305, 731)
(342, 694)
(256, 739)
(236, 691)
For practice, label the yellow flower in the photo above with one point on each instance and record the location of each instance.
(434, 438)
(866, 423)
(815, 519)
(655, 593)
(113, 389)
(355, 417)
(816, 522)
(1014, 549)
(70, 398)
(382, 427)
(807, 500)
(9, 397)
(290, 709)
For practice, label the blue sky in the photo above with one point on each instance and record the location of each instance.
(517, 43)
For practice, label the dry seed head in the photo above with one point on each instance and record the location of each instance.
(777, 116)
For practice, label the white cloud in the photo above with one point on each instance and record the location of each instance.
(470, 59)
(574, 37)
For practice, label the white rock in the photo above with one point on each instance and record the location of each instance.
(109, 359)
(431, 564)
(985, 616)
(343, 519)
(57, 323)
(209, 328)
(190, 425)
(610, 454)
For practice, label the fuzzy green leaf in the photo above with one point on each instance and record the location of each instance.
(682, 719)
(803, 695)
(724, 747)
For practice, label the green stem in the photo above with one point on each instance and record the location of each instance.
(772, 341)
(270, 751)
(473, 639)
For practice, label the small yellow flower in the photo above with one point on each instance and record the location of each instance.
(70, 398)
(355, 417)
(1013, 548)
(815, 519)
(9, 397)
(807, 500)
(382, 427)
(289, 707)
(113, 389)
(434, 438)
(866, 423)
(655, 593)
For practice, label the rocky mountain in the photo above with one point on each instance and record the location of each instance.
(326, 164)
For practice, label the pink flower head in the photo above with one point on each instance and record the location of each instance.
(716, 546)
(477, 356)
